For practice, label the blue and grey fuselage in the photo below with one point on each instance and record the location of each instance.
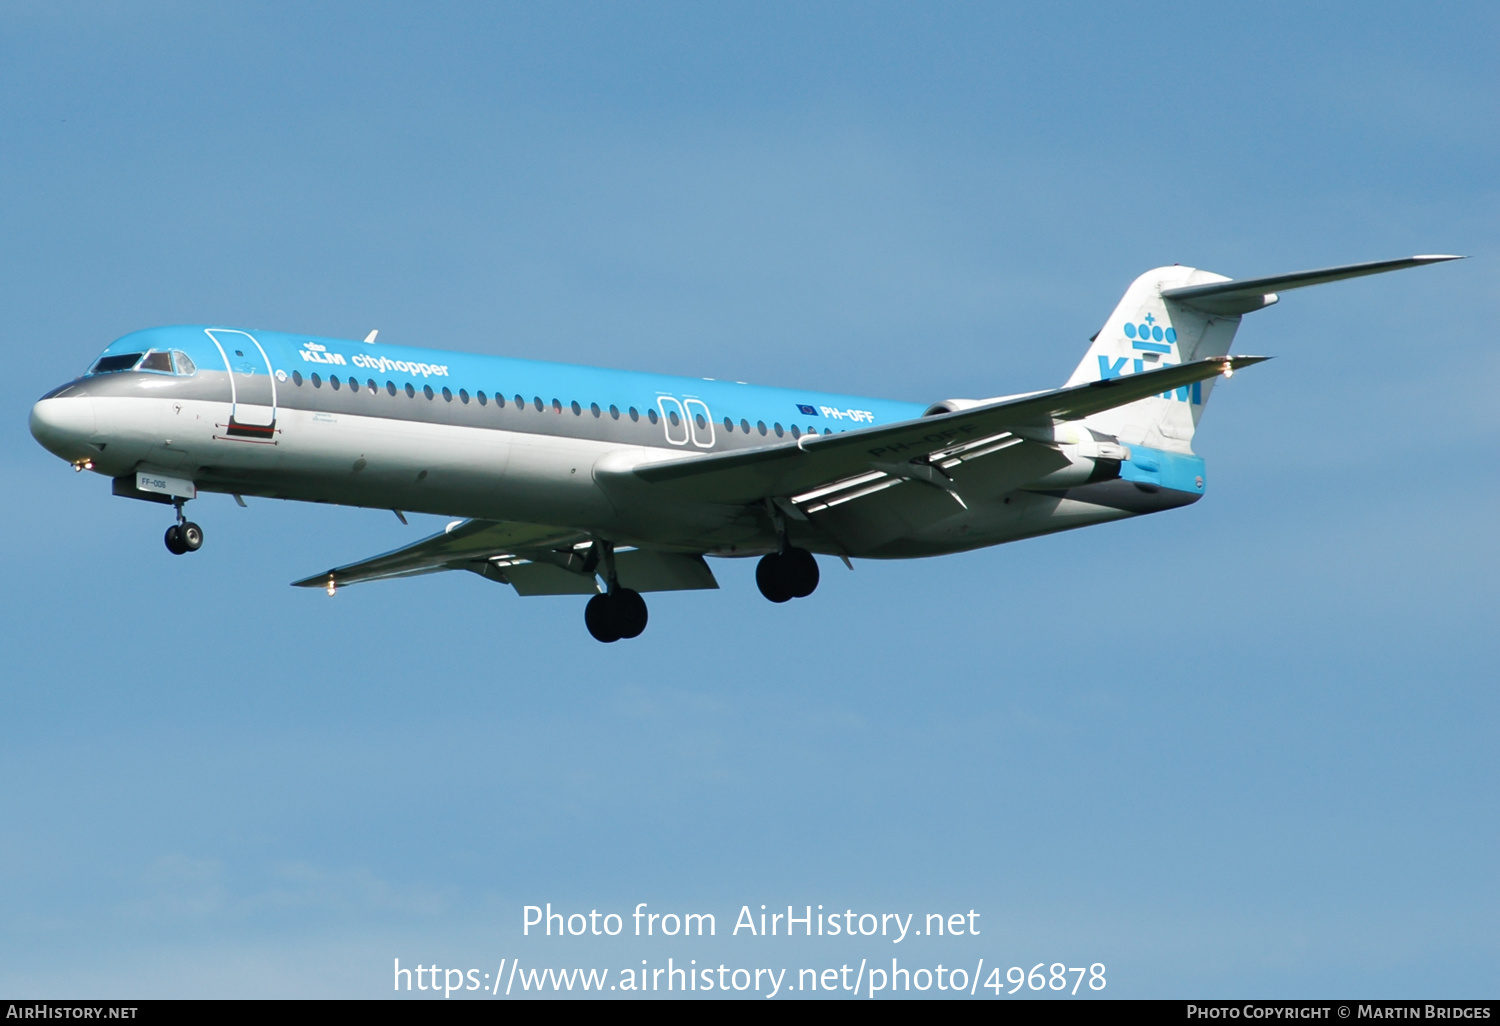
(260, 413)
(579, 480)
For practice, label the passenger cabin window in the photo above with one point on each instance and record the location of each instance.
(121, 362)
(297, 378)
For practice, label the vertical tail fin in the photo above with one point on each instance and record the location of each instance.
(1175, 314)
(1147, 331)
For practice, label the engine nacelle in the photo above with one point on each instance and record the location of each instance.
(955, 405)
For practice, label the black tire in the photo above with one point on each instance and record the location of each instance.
(628, 611)
(191, 536)
(598, 619)
(772, 578)
(802, 572)
(174, 541)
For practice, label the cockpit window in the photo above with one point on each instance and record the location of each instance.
(120, 362)
(157, 361)
(184, 363)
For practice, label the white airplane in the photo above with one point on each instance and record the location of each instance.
(565, 476)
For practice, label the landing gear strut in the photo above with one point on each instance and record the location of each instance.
(619, 612)
(183, 536)
(789, 572)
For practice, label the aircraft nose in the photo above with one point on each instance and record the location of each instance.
(64, 426)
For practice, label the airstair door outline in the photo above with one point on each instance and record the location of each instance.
(252, 382)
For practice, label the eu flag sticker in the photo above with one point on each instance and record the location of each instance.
(809, 410)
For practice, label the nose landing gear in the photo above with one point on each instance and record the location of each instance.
(183, 536)
(619, 612)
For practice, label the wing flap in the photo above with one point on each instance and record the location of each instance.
(544, 579)
(647, 570)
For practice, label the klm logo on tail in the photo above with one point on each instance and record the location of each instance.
(1150, 337)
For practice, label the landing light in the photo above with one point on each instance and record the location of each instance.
(79, 466)
(332, 587)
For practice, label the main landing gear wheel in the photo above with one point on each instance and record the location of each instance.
(615, 615)
(184, 537)
(787, 575)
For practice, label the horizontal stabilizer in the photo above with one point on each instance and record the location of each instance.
(1238, 297)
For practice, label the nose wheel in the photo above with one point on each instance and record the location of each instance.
(183, 536)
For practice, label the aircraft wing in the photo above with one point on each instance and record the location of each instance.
(913, 449)
(464, 545)
(535, 559)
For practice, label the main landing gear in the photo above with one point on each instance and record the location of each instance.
(788, 574)
(183, 536)
(619, 612)
(615, 614)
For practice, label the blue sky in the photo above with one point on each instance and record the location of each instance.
(1245, 748)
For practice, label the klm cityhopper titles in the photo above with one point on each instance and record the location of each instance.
(575, 480)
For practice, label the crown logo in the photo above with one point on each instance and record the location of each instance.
(1149, 331)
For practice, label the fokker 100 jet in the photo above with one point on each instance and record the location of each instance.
(610, 483)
